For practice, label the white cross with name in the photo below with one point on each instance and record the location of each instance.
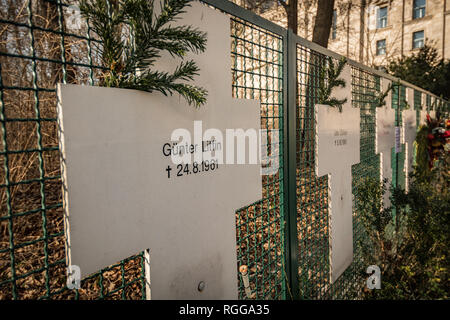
(385, 137)
(409, 126)
(123, 194)
(337, 149)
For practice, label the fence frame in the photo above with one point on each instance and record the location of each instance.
(290, 41)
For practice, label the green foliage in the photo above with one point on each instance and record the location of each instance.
(385, 235)
(425, 70)
(432, 141)
(133, 37)
(380, 98)
(439, 105)
(412, 249)
(331, 73)
(398, 91)
(422, 158)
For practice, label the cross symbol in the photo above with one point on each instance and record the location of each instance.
(337, 149)
(385, 137)
(423, 113)
(409, 125)
(124, 195)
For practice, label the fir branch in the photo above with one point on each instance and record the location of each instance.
(440, 105)
(133, 38)
(434, 104)
(167, 83)
(380, 99)
(191, 39)
(406, 105)
(331, 74)
(402, 103)
(170, 9)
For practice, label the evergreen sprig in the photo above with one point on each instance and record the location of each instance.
(381, 97)
(402, 102)
(406, 105)
(133, 37)
(435, 104)
(331, 73)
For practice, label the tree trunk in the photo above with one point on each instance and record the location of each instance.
(321, 34)
(362, 27)
(292, 14)
(322, 25)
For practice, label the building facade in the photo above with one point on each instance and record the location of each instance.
(372, 32)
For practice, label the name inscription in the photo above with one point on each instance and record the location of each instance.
(340, 138)
(184, 169)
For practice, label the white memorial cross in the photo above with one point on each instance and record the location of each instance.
(426, 109)
(434, 102)
(409, 123)
(337, 149)
(385, 137)
(423, 105)
(423, 110)
(123, 194)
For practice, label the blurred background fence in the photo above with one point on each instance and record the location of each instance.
(283, 239)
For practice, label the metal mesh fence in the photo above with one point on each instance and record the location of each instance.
(312, 192)
(257, 73)
(39, 48)
(399, 104)
(417, 105)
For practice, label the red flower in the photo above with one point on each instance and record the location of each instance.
(430, 136)
(447, 134)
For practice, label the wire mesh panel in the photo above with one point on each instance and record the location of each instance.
(428, 101)
(417, 107)
(398, 165)
(257, 66)
(38, 48)
(365, 87)
(312, 192)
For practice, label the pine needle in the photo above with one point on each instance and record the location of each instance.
(133, 38)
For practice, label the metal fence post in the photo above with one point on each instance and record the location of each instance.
(290, 167)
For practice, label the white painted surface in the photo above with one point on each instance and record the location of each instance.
(410, 131)
(423, 116)
(119, 199)
(337, 149)
(410, 97)
(398, 139)
(385, 138)
(433, 114)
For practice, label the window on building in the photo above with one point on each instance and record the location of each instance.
(418, 39)
(334, 25)
(419, 9)
(382, 14)
(381, 47)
